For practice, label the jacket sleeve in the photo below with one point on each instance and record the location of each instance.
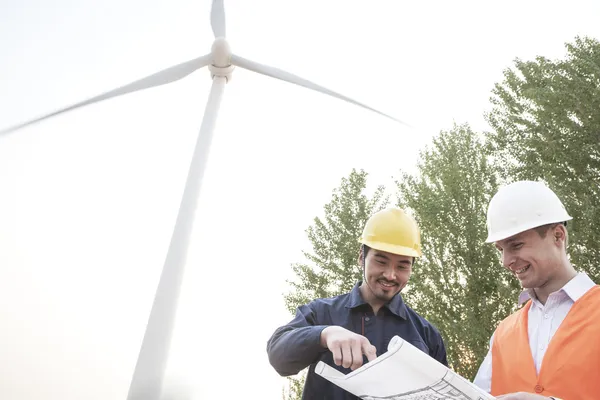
(437, 348)
(439, 352)
(296, 345)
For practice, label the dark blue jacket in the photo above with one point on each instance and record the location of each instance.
(296, 345)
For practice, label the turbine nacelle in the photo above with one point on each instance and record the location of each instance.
(221, 59)
(149, 372)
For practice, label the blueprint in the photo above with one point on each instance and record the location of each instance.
(403, 373)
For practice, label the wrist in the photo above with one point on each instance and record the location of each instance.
(323, 337)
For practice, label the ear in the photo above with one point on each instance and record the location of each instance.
(361, 257)
(559, 234)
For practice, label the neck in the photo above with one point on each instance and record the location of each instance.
(370, 298)
(567, 272)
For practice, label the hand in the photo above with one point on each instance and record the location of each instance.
(522, 396)
(347, 347)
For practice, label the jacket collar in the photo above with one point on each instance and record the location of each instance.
(396, 305)
(574, 289)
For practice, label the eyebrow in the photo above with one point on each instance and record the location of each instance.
(510, 241)
(514, 239)
(381, 255)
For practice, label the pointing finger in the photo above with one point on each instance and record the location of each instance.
(370, 351)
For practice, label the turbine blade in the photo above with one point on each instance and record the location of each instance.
(217, 18)
(163, 77)
(291, 78)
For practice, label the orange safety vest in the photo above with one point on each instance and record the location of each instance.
(571, 366)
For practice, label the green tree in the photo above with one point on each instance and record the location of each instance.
(295, 387)
(458, 284)
(332, 266)
(546, 125)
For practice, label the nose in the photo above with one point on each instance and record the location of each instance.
(507, 259)
(390, 274)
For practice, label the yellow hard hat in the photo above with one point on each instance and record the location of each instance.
(393, 231)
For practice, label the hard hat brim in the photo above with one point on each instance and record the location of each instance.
(497, 236)
(394, 249)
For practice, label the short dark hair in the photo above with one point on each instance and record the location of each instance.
(543, 230)
(364, 250)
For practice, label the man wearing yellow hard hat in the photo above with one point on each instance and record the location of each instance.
(550, 347)
(345, 330)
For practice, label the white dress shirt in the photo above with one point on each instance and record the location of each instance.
(544, 320)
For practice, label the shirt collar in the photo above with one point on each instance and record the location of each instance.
(575, 288)
(396, 305)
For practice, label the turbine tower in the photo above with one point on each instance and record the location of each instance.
(148, 376)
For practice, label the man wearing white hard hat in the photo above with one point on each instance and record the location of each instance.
(550, 347)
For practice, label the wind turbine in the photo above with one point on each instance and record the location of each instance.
(146, 383)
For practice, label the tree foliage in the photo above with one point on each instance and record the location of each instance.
(295, 387)
(546, 125)
(458, 284)
(332, 266)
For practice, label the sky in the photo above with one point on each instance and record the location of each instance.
(88, 200)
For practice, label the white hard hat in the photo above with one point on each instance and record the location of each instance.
(521, 206)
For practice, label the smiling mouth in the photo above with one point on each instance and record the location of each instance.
(387, 285)
(522, 270)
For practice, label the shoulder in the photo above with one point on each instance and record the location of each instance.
(425, 326)
(328, 302)
(593, 294)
